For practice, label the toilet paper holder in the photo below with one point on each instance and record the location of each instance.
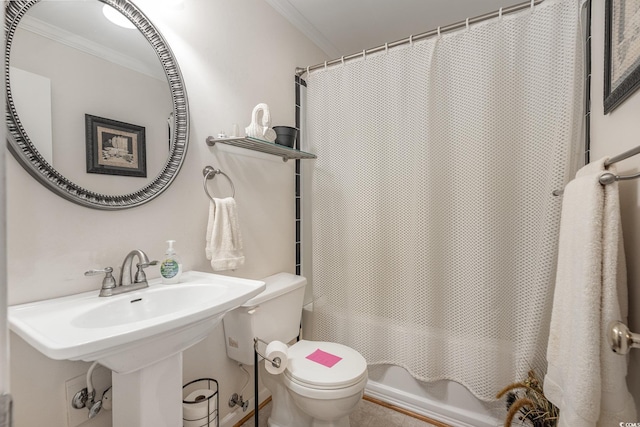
(201, 395)
(275, 362)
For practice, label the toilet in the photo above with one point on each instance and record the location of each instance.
(323, 381)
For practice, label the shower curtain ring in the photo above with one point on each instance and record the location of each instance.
(500, 13)
(411, 39)
(467, 22)
(364, 54)
(439, 35)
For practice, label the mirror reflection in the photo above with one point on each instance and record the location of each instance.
(69, 62)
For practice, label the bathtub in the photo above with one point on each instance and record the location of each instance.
(444, 401)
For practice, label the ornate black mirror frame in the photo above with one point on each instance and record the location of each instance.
(28, 156)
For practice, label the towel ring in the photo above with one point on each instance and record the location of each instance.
(210, 172)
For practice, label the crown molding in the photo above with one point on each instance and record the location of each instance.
(291, 14)
(82, 44)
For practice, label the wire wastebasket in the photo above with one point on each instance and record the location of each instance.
(200, 403)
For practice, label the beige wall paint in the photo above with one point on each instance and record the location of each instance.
(4, 332)
(613, 134)
(233, 55)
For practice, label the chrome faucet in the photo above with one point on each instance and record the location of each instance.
(109, 286)
(140, 277)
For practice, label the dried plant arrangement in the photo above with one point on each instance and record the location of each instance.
(527, 400)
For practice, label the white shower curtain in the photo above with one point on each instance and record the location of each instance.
(434, 226)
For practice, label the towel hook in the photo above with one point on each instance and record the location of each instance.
(210, 172)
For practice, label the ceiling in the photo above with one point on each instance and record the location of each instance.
(338, 27)
(343, 27)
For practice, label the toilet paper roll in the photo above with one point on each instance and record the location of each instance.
(280, 350)
(195, 414)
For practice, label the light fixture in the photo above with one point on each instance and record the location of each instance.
(116, 17)
(174, 4)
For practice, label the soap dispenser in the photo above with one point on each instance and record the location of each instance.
(170, 268)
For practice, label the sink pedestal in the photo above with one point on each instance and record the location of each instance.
(149, 397)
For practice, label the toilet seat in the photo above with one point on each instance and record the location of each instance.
(308, 377)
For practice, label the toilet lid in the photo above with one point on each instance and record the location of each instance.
(310, 364)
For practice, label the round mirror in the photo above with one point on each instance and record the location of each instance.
(96, 112)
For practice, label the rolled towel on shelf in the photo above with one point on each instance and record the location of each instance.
(224, 241)
(260, 126)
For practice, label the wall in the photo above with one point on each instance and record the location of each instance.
(613, 134)
(233, 54)
(4, 333)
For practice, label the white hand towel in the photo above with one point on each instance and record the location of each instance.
(224, 240)
(585, 379)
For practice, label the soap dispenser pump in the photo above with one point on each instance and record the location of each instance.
(170, 268)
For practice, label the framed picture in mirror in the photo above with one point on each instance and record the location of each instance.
(622, 51)
(114, 147)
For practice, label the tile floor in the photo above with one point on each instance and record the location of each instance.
(367, 414)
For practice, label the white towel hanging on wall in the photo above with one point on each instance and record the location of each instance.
(585, 379)
(224, 240)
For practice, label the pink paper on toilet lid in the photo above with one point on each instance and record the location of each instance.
(302, 370)
(324, 358)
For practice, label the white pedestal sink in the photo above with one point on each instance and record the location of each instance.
(139, 335)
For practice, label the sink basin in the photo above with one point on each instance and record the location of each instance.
(149, 305)
(132, 330)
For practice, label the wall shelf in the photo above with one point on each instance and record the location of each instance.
(263, 146)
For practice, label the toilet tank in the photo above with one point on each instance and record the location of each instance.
(271, 315)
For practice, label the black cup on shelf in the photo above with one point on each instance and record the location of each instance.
(285, 135)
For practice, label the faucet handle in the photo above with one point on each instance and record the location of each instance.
(146, 264)
(95, 272)
(109, 282)
(140, 276)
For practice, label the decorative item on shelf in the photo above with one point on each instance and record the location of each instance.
(260, 126)
(236, 131)
(531, 405)
(285, 135)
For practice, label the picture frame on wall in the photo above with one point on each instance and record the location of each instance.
(622, 51)
(114, 147)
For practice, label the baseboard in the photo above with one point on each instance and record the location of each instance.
(238, 417)
(431, 421)
(434, 412)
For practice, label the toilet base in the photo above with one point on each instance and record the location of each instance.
(285, 412)
(343, 422)
(317, 423)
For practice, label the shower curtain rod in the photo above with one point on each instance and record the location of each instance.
(451, 27)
